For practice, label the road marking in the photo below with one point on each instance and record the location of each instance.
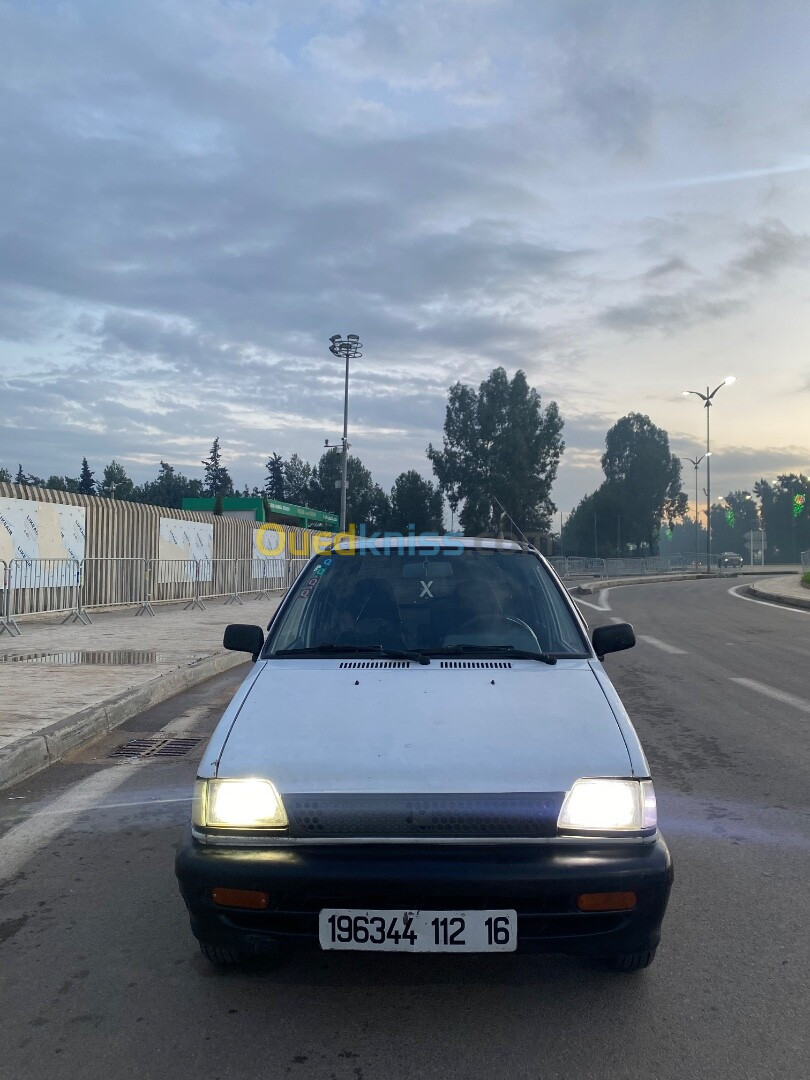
(765, 603)
(772, 692)
(25, 840)
(662, 645)
(22, 842)
(603, 605)
(124, 805)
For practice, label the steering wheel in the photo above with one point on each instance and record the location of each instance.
(501, 624)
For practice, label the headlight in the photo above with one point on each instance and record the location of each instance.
(608, 806)
(237, 804)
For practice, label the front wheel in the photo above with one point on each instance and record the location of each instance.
(220, 955)
(627, 962)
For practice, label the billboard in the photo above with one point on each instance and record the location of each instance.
(180, 544)
(41, 537)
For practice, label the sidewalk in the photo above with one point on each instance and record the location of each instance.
(782, 590)
(82, 681)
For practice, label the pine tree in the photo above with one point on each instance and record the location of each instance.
(274, 484)
(217, 478)
(87, 485)
(20, 477)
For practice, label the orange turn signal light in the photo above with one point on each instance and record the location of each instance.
(606, 901)
(244, 898)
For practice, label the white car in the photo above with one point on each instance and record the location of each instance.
(426, 756)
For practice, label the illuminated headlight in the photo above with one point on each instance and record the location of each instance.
(608, 806)
(237, 804)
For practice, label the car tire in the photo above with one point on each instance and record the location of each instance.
(627, 962)
(220, 955)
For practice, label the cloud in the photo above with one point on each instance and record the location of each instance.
(773, 247)
(195, 195)
(669, 268)
(669, 314)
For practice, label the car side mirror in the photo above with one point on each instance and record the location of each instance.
(243, 638)
(615, 638)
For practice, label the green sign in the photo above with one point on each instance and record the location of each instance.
(305, 513)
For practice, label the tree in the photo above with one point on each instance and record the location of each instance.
(87, 485)
(168, 489)
(274, 484)
(737, 516)
(641, 489)
(115, 483)
(297, 480)
(684, 540)
(644, 478)
(5, 476)
(378, 512)
(366, 503)
(785, 509)
(594, 527)
(20, 477)
(217, 478)
(415, 502)
(500, 445)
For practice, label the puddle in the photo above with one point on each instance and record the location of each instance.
(70, 659)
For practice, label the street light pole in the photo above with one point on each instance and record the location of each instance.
(707, 404)
(696, 463)
(348, 347)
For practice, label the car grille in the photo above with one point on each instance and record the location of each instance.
(420, 816)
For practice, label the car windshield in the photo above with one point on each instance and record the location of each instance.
(434, 600)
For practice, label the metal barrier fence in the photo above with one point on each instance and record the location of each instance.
(173, 580)
(579, 566)
(7, 623)
(805, 560)
(40, 586)
(115, 582)
(31, 586)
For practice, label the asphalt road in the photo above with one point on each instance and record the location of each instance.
(100, 978)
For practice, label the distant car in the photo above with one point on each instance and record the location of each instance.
(427, 756)
(730, 560)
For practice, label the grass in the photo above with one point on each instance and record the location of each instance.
(806, 580)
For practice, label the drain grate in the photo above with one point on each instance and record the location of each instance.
(155, 746)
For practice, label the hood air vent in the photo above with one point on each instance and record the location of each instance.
(375, 663)
(475, 664)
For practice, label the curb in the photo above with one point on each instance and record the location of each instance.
(760, 592)
(32, 753)
(649, 579)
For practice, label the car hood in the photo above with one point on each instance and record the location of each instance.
(314, 726)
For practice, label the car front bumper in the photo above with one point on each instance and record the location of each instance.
(540, 881)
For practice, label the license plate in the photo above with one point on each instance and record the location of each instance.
(418, 931)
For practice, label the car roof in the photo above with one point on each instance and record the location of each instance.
(408, 543)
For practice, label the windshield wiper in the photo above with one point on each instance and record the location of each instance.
(498, 650)
(332, 647)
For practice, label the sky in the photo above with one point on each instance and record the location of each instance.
(613, 196)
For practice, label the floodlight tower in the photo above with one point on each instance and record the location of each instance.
(349, 348)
